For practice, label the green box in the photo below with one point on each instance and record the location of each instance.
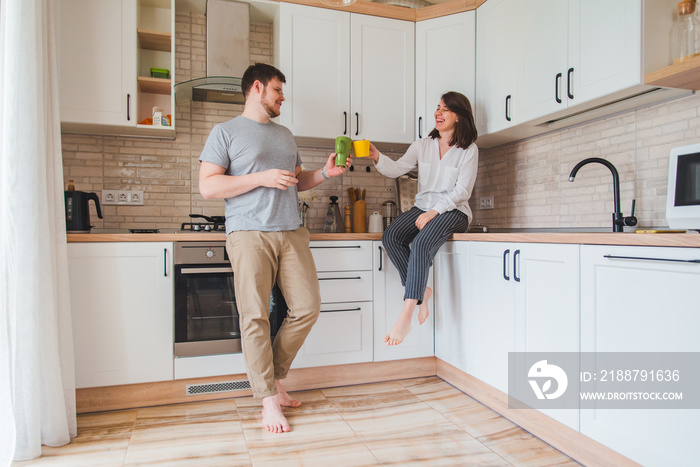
(160, 73)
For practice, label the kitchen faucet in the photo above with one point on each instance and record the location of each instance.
(619, 221)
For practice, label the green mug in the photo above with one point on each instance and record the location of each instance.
(342, 150)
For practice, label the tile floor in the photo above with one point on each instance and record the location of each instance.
(422, 421)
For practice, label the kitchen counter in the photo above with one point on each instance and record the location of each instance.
(522, 235)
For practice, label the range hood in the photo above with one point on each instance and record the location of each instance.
(228, 55)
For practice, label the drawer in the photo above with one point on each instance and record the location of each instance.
(342, 335)
(342, 256)
(345, 286)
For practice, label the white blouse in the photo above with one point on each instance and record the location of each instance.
(443, 184)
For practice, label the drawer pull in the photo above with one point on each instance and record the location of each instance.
(343, 309)
(697, 261)
(329, 247)
(338, 278)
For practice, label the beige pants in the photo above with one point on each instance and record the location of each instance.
(258, 259)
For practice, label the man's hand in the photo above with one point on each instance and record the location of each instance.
(332, 170)
(277, 178)
(426, 217)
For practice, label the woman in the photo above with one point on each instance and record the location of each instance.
(447, 162)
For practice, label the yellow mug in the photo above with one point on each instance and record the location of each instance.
(361, 148)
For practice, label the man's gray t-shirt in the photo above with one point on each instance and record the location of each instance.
(243, 146)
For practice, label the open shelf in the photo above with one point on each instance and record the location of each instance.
(154, 40)
(682, 75)
(154, 85)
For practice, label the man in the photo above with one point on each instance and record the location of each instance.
(253, 163)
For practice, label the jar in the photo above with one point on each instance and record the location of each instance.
(686, 32)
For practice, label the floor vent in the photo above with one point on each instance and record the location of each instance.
(212, 388)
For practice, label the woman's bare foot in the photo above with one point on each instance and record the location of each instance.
(423, 310)
(400, 330)
(273, 419)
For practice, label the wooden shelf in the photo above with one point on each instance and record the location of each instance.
(683, 75)
(155, 85)
(154, 40)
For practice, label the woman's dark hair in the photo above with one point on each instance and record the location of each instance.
(259, 72)
(465, 130)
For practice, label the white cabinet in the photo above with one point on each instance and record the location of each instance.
(498, 65)
(522, 297)
(440, 67)
(106, 50)
(388, 303)
(97, 61)
(122, 312)
(643, 300)
(347, 74)
(451, 302)
(343, 332)
(576, 51)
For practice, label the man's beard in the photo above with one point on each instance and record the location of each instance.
(271, 111)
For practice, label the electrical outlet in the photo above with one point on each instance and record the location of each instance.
(486, 202)
(122, 197)
(109, 196)
(136, 197)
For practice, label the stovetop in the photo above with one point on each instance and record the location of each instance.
(203, 226)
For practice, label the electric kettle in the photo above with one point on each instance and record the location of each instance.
(78, 211)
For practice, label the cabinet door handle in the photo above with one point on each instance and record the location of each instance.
(165, 262)
(419, 124)
(343, 309)
(339, 278)
(341, 246)
(128, 107)
(345, 120)
(381, 258)
(639, 258)
(570, 83)
(557, 83)
(516, 255)
(508, 107)
(357, 123)
(505, 265)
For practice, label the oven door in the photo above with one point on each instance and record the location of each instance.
(206, 317)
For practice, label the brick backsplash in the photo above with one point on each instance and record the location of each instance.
(528, 179)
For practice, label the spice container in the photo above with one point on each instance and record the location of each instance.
(686, 33)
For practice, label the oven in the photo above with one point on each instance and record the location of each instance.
(206, 313)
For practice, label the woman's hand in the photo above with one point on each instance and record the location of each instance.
(332, 170)
(426, 217)
(373, 153)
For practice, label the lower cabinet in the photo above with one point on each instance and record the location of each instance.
(641, 299)
(388, 303)
(343, 332)
(451, 303)
(122, 312)
(521, 297)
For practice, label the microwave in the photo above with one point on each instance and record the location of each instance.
(683, 194)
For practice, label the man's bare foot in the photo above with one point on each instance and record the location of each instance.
(423, 310)
(285, 399)
(400, 330)
(273, 419)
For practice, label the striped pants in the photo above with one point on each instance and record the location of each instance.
(412, 250)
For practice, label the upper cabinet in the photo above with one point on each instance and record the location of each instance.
(575, 51)
(347, 74)
(543, 65)
(498, 66)
(106, 51)
(440, 67)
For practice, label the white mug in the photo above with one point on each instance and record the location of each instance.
(375, 223)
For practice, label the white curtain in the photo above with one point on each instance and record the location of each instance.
(37, 382)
